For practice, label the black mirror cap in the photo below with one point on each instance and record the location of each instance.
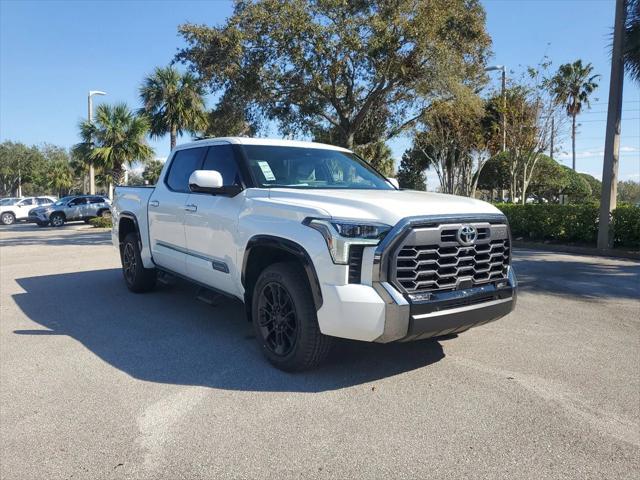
(226, 190)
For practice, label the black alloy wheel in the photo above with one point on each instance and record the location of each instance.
(277, 319)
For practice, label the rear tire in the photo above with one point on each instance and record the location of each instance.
(105, 213)
(8, 218)
(57, 220)
(137, 278)
(285, 320)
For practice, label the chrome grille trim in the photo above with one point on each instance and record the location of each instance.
(428, 259)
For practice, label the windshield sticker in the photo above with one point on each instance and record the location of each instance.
(266, 170)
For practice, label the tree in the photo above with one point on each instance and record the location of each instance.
(59, 177)
(411, 172)
(453, 142)
(629, 191)
(173, 102)
(19, 166)
(495, 174)
(549, 180)
(529, 111)
(320, 64)
(572, 86)
(594, 184)
(577, 189)
(378, 155)
(631, 47)
(152, 171)
(119, 137)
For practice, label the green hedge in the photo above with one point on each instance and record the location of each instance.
(571, 223)
(626, 226)
(101, 222)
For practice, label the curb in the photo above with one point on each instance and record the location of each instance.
(552, 247)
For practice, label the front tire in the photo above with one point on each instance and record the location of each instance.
(7, 218)
(285, 321)
(137, 278)
(57, 220)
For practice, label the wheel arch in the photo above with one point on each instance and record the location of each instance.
(264, 250)
(127, 223)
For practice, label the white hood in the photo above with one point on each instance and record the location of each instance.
(385, 206)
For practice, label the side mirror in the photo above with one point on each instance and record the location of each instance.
(210, 181)
(394, 182)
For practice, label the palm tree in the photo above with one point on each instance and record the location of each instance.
(119, 140)
(572, 85)
(631, 48)
(59, 177)
(174, 103)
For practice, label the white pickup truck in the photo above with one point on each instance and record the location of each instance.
(317, 245)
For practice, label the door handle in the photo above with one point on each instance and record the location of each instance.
(154, 203)
(191, 207)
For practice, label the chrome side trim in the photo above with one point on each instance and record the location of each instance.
(216, 263)
(453, 311)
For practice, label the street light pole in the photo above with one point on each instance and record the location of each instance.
(504, 100)
(92, 173)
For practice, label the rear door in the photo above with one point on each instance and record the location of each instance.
(211, 225)
(166, 210)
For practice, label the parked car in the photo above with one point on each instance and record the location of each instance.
(72, 208)
(317, 244)
(14, 209)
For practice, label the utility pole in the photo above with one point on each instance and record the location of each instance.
(612, 140)
(92, 172)
(504, 109)
(553, 126)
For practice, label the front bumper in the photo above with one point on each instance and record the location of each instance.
(379, 313)
(444, 313)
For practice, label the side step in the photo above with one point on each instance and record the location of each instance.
(209, 296)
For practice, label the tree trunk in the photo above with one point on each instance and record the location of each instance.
(573, 140)
(173, 137)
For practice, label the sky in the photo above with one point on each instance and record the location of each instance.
(53, 52)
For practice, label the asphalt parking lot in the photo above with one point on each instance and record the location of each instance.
(98, 383)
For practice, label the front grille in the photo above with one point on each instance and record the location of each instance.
(355, 263)
(447, 265)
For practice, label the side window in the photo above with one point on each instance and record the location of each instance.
(222, 159)
(182, 166)
(43, 201)
(96, 200)
(26, 202)
(78, 201)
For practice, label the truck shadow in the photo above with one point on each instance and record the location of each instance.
(170, 337)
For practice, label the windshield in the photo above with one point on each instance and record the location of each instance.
(9, 201)
(299, 167)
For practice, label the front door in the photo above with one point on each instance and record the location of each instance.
(76, 208)
(167, 210)
(211, 226)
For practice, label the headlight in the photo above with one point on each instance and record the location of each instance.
(340, 234)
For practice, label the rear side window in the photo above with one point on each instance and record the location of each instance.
(222, 159)
(43, 200)
(184, 163)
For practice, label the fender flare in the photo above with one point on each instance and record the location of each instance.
(130, 216)
(292, 248)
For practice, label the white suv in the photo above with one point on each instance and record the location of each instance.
(317, 245)
(13, 209)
